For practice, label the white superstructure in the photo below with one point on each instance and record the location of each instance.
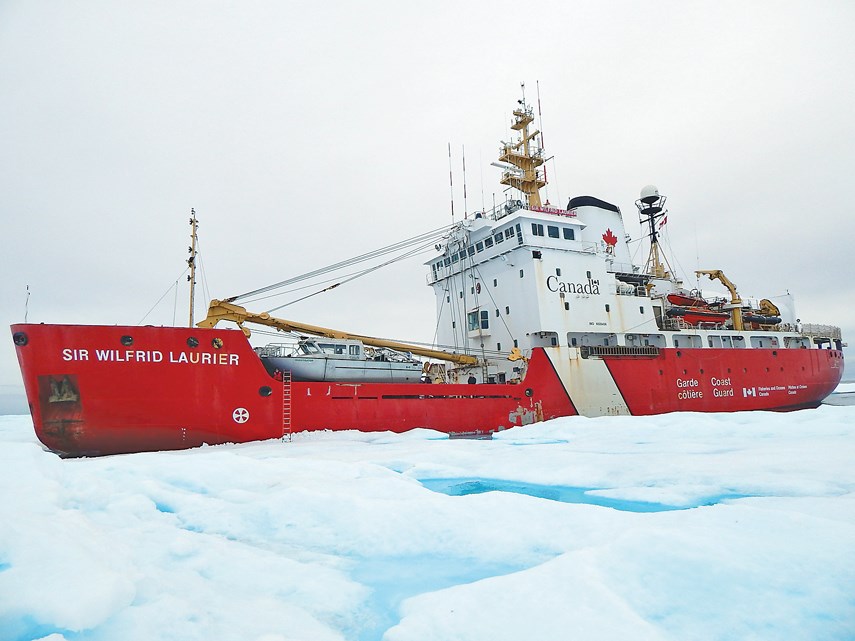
(530, 275)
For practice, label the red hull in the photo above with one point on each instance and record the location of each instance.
(159, 393)
(90, 393)
(727, 380)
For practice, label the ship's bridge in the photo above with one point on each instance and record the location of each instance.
(527, 276)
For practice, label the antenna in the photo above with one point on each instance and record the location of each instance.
(481, 167)
(465, 208)
(539, 114)
(540, 121)
(192, 262)
(451, 183)
(27, 304)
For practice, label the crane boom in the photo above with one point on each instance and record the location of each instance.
(735, 300)
(224, 311)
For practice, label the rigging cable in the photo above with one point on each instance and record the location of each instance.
(175, 284)
(431, 235)
(412, 252)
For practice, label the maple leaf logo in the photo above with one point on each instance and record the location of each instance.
(609, 238)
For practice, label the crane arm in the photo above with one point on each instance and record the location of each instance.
(735, 300)
(717, 274)
(225, 311)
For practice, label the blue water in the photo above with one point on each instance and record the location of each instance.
(394, 579)
(562, 493)
(26, 628)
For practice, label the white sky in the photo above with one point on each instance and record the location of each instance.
(334, 536)
(305, 133)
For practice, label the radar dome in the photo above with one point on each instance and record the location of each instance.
(649, 194)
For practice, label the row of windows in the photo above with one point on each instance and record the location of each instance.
(467, 252)
(537, 229)
(553, 231)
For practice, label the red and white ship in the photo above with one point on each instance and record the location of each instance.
(544, 309)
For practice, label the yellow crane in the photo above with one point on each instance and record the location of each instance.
(224, 311)
(735, 301)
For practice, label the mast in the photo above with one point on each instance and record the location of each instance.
(192, 262)
(651, 207)
(524, 157)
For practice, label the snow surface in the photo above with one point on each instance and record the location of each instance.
(677, 527)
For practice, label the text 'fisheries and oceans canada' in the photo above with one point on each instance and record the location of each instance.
(150, 356)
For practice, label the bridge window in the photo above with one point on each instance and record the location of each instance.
(472, 321)
(499, 238)
(488, 242)
(537, 229)
(552, 231)
(569, 234)
(479, 246)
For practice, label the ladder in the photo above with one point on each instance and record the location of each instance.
(286, 405)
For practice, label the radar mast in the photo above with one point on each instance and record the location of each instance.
(523, 157)
(651, 207)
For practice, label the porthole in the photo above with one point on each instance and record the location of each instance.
(529, 392)
(192, 342)
(20, 339)
(265, 390)
(217, 343)
(127, 341)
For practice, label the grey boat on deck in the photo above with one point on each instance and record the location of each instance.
(337, 360)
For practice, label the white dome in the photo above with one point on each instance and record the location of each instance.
(649, 194)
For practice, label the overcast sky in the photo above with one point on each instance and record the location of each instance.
(305, 133)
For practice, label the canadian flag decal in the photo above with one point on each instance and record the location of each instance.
(609, 238)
